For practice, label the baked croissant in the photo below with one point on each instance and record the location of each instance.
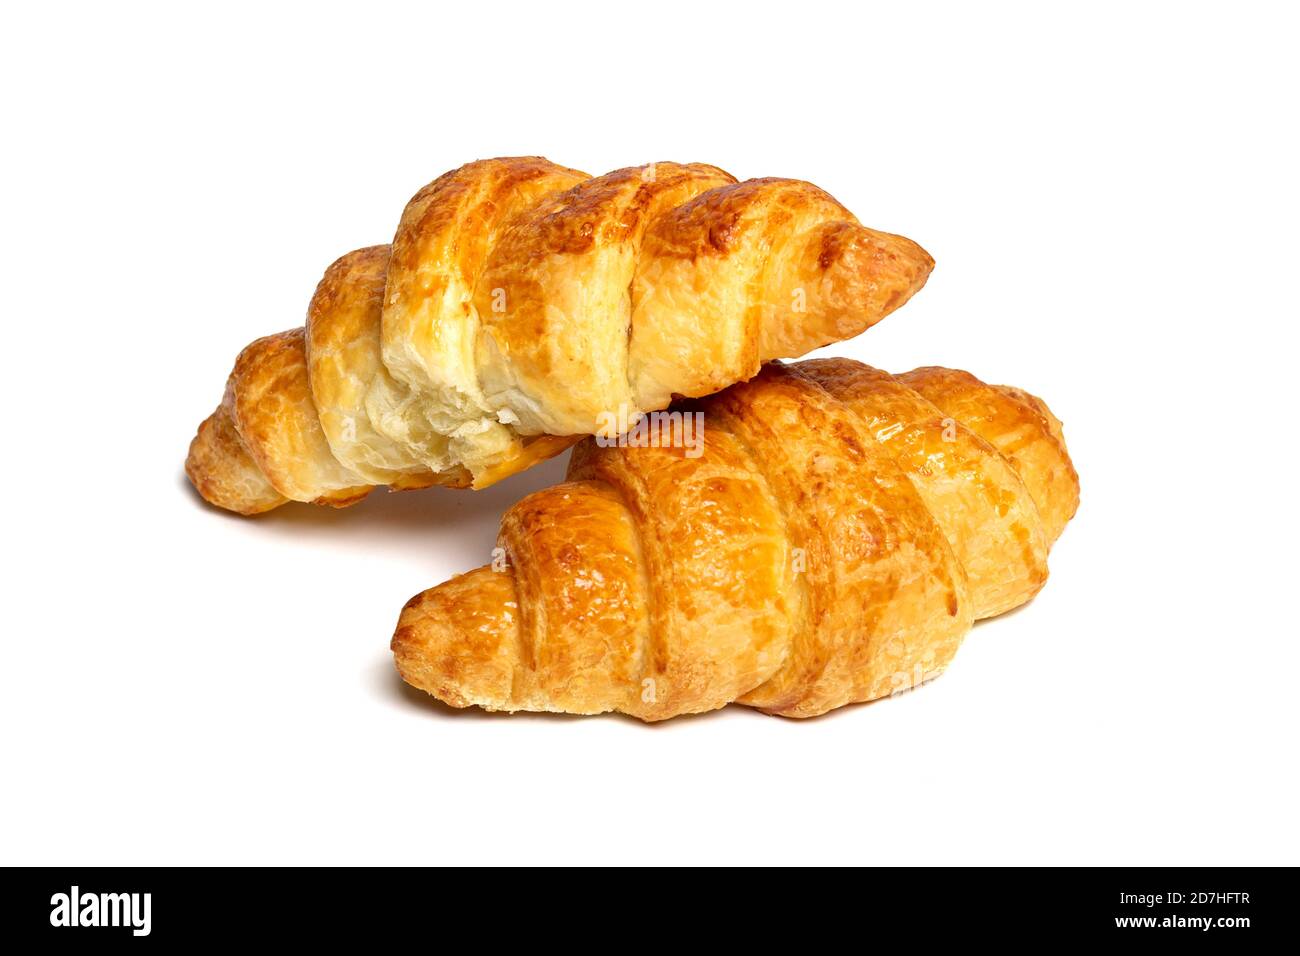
(521, 305)
(832, 543)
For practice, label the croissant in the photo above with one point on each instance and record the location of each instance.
(829, 541)
(522, 305)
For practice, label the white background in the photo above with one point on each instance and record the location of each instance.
(1111, 198)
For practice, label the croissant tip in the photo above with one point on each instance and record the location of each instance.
(916, 259)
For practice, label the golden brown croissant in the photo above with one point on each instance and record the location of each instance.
(832, 543)
(522, 304)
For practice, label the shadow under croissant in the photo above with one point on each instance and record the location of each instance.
(404, 520)
(1005, 615)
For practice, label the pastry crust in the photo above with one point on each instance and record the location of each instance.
(977, 496)
(523, 305)
(349, 381)
(268, 400)
(764, 269)
(430, 326)
(223, 471)
(1019, 426)
(557, 295)
(832, 544)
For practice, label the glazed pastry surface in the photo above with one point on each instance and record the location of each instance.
(522, 305)
(829, 541)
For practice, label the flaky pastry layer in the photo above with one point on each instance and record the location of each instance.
(831, 543)
(523, 305)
